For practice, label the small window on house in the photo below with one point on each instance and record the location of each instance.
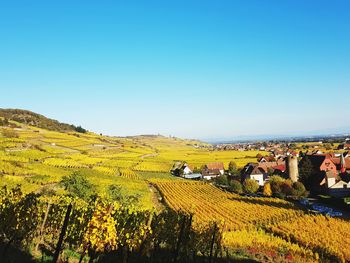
(345, 186)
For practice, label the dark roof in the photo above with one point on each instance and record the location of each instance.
(257, 170)
(211, 172)
(253, 168)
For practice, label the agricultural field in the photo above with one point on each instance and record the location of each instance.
(38, 158)
(260, 225)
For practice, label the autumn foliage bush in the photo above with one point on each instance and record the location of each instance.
(250, 186)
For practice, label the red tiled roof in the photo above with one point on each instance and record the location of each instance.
(215, 166)
(280, 167)
(267, 165)
(292, 152)
(336, 161)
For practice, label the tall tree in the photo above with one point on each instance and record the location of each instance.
(305, 172)
(232, 168)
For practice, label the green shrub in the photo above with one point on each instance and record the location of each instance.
(250, 186)
(80, 129)
(276, 184)
(299, 190)
(236, 186)
(286, 187)
(221, 180)
(78, 186)
(232, 168)
(115, 193)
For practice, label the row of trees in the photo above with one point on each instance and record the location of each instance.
(277, 186)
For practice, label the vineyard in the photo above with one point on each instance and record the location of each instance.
(208, 203)
(318, 232)
(254, 223)
(167, 215)
(38, 159)
(98, 229)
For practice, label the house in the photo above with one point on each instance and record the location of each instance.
(322, 162)
(344, 146)
(279, 169)
(339, 189)
(342, 164)
(330, 174)
(253, 171)
(187, 169)
(213, 170)
(260, 172)
(269, 166)
(328, 179)
(265, 159)
(277, 153)
(317, 152)
(181, 169)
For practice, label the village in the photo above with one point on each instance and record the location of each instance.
(316, 169)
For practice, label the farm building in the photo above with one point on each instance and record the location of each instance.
(253, 171)
(181, 169)
(213, 170)
(260, 171)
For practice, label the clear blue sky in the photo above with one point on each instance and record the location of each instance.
(194, 69)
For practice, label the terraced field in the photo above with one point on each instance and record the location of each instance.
(38, 159)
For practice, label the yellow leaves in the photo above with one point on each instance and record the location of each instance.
(261, 242)
(209, 203)
(101, 234)
(317, 231)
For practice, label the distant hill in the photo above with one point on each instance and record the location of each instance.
(37, 120)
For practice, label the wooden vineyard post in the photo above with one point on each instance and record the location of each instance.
(212, 244)
(149, 223)
(63, 233)
(179, 240)
(188, 236)
(43, 226)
